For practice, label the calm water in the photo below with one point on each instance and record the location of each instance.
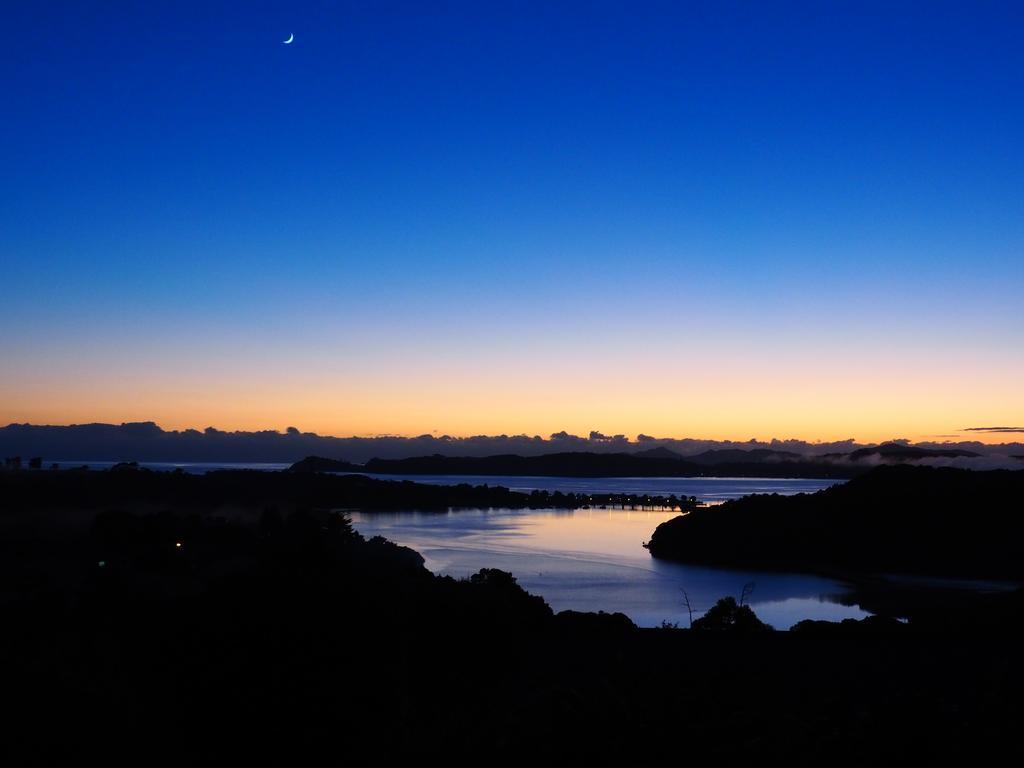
(592, 560)
(708, 489)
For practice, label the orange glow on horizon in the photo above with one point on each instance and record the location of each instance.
(739, 393)
(325, 418)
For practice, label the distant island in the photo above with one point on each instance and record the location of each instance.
(657, 462)
(149, 442)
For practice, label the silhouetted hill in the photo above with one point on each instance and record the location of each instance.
(320, 464)
(148, 442)
(656, 462)
(557, 464)
(658, 453)
(738, 456)
(921, 520)
(900, 452)
(610, 465)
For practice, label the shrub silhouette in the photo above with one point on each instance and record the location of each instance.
(727, 614)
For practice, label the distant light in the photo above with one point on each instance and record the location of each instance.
(177, 544)
(101, 563)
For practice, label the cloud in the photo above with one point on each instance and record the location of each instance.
(994, 461)
(150, 443)
(993, 429)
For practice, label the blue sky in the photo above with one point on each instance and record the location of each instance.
(463, 180)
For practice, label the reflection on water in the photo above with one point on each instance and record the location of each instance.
(707, 489)
(593, 559)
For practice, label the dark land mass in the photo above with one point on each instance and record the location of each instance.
(153, 617)
(660, 452)
(895, 452)
(900, 519)
(148, 442)
(128, 484)
(320, 464)
(580, 464)
(717, 457)
(654, 462)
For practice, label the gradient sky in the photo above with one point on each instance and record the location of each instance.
(719, 220)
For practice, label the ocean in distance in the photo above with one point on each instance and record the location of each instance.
(708, 489)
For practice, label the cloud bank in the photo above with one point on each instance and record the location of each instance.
(146, 441)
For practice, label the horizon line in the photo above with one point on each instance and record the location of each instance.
(594, 437)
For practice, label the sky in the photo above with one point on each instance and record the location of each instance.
(718, 220)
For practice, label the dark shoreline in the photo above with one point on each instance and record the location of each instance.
(588, 465)
(942, 523)
(172, 614)
(128, 482)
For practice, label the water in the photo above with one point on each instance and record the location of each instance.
(707, 489)
(593, 559)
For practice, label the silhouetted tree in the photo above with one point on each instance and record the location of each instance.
(748, 590)
(689, 607)
(727, 614)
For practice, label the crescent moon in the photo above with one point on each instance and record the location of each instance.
(289, 40)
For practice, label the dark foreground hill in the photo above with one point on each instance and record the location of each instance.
(146, 625)
(912, 520)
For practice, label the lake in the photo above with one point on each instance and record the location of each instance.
(593, 559)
